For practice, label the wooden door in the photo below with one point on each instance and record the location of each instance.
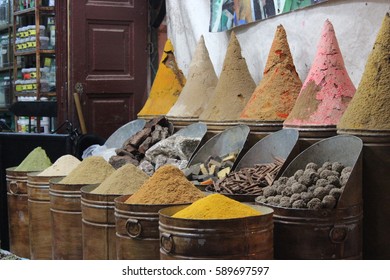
(108, 61)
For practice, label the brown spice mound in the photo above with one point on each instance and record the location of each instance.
(276, 93)
(234, 88)
(92, 170)
(126, 180)
(369, 108)
(167, 186)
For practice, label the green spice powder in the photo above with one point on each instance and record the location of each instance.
(36, 160)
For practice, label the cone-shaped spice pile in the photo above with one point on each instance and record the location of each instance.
(277, 92)
(327, 89)
(370, 107)
(167, 85)
(234, 88)
(199, 87)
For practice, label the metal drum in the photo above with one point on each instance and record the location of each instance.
(376, 192)
(239, 238)
(65, 209)
(328, 233)
(18, 219)
(98, 224)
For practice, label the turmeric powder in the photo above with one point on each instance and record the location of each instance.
(216, 206)
(166, 87)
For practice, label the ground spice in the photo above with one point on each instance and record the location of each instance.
(36, 160)
(275, 96)
(61, 167)
(235, 87)
(167, 85)
(327, 89)
(125, 180)
(92, 170)
(369, 109)
(216, 206)
(199, 87)
(168, 185)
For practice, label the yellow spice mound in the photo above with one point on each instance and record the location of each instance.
(216, 206)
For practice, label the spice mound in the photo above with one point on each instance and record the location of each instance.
(92, 170)
(313, 188)
(167, 186)
(36, 160)
(327, 90)
(369, 108)
(167, 85)
(216, 206)
(126, 180)
(248, 180)
(276, 93)
(234, 88)
(61, 167)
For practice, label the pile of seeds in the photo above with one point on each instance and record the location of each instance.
(249, 180)
(213, 169)
(134, 149)
(313, 188)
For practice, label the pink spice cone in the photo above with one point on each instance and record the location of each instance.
(327, 89)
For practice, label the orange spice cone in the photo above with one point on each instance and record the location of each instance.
(275, 96)
(199, 87)
(235, 87)
(327, 89)
(369, 108)
(167, 85)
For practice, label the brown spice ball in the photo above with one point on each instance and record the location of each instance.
(314, 204)
(269, 191)
(320, 192)
(307, 196)
(270, 200)
(321, 182)
(298, 188)
(291, 181)
(311, 165)
(347, 169)
(319, 170)
(283, 180)
(280, 188)
(344, 179)
(327, 165)
(337, 166)
(329, 202)
(295, 197)
(308, 178)
(329, 187)
(277, 199)
(298, 174)
(285, 202)
(299, 204)
(336, 193)
(325, 173)
(287, 191)
(334, 180)
(311, 188)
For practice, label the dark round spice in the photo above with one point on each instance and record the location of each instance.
(298, 174)
(334, 180)
(321, 182)
(337, 166)
(320, 192)
(298, 188)
(285, 202)
(336, 193)
(329, 202)
(269, 191)
(326, 173)
(299, 204)
(346, 170)
(311, 165)
(307, 196)
(329, 187)
(314, 204)
(280, 188)
(327, 165)
(287, 191)
(295, 197)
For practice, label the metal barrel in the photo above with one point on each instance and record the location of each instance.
(39, 216)
(98, 224)
(18, 219)
(239, 238)
(137, 230)
(327, 233)
(65, 209)
(376, 192)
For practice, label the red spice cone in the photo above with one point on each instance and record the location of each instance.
(327, 89)
(275, 96)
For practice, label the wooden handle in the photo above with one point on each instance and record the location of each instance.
(80, 113)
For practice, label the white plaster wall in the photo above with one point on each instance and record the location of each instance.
(356, 25)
